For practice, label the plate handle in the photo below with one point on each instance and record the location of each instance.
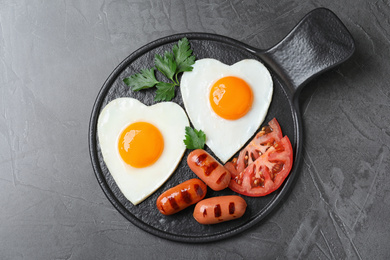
(317, 43)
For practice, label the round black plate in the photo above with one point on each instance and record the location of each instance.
(182, 226)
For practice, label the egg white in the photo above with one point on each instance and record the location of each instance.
(137, 184)
(225, 137)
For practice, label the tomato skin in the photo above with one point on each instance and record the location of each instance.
(263, 140)
(267, 173)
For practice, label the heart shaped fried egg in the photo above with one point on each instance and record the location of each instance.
(141, 145)
(228, 103)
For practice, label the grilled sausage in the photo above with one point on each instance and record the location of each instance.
(181, 196)
(219, 209)
(214, 174)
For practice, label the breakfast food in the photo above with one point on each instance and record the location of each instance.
(141, 145)
(263, 140)
(219, 209)
(171, 64)
(227, 102)
(208, 169)
(264, 164)
(181, 196)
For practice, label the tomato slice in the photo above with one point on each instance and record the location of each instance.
(267, 172)
(267, 137)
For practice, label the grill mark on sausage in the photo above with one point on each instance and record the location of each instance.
(161, 208)
(204, 213)
(186, 196)
(200, 159)
(209, 169)
(173, 203)
(198, 190)
(201, 162)
(232, 208)
(217, 211)
(220, 179)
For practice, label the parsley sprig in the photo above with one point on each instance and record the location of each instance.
(170, 65)
(194, 139)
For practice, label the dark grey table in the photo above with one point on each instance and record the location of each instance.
(54, 58)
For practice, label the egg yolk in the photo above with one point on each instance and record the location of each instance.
(140, 144)
(231, 98)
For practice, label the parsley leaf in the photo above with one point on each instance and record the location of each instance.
(182, 52)
(165, 91)
(145, 79)
(170, 65)
(194, 139)
(166, 64)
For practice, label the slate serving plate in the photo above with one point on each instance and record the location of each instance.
(318, 43)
